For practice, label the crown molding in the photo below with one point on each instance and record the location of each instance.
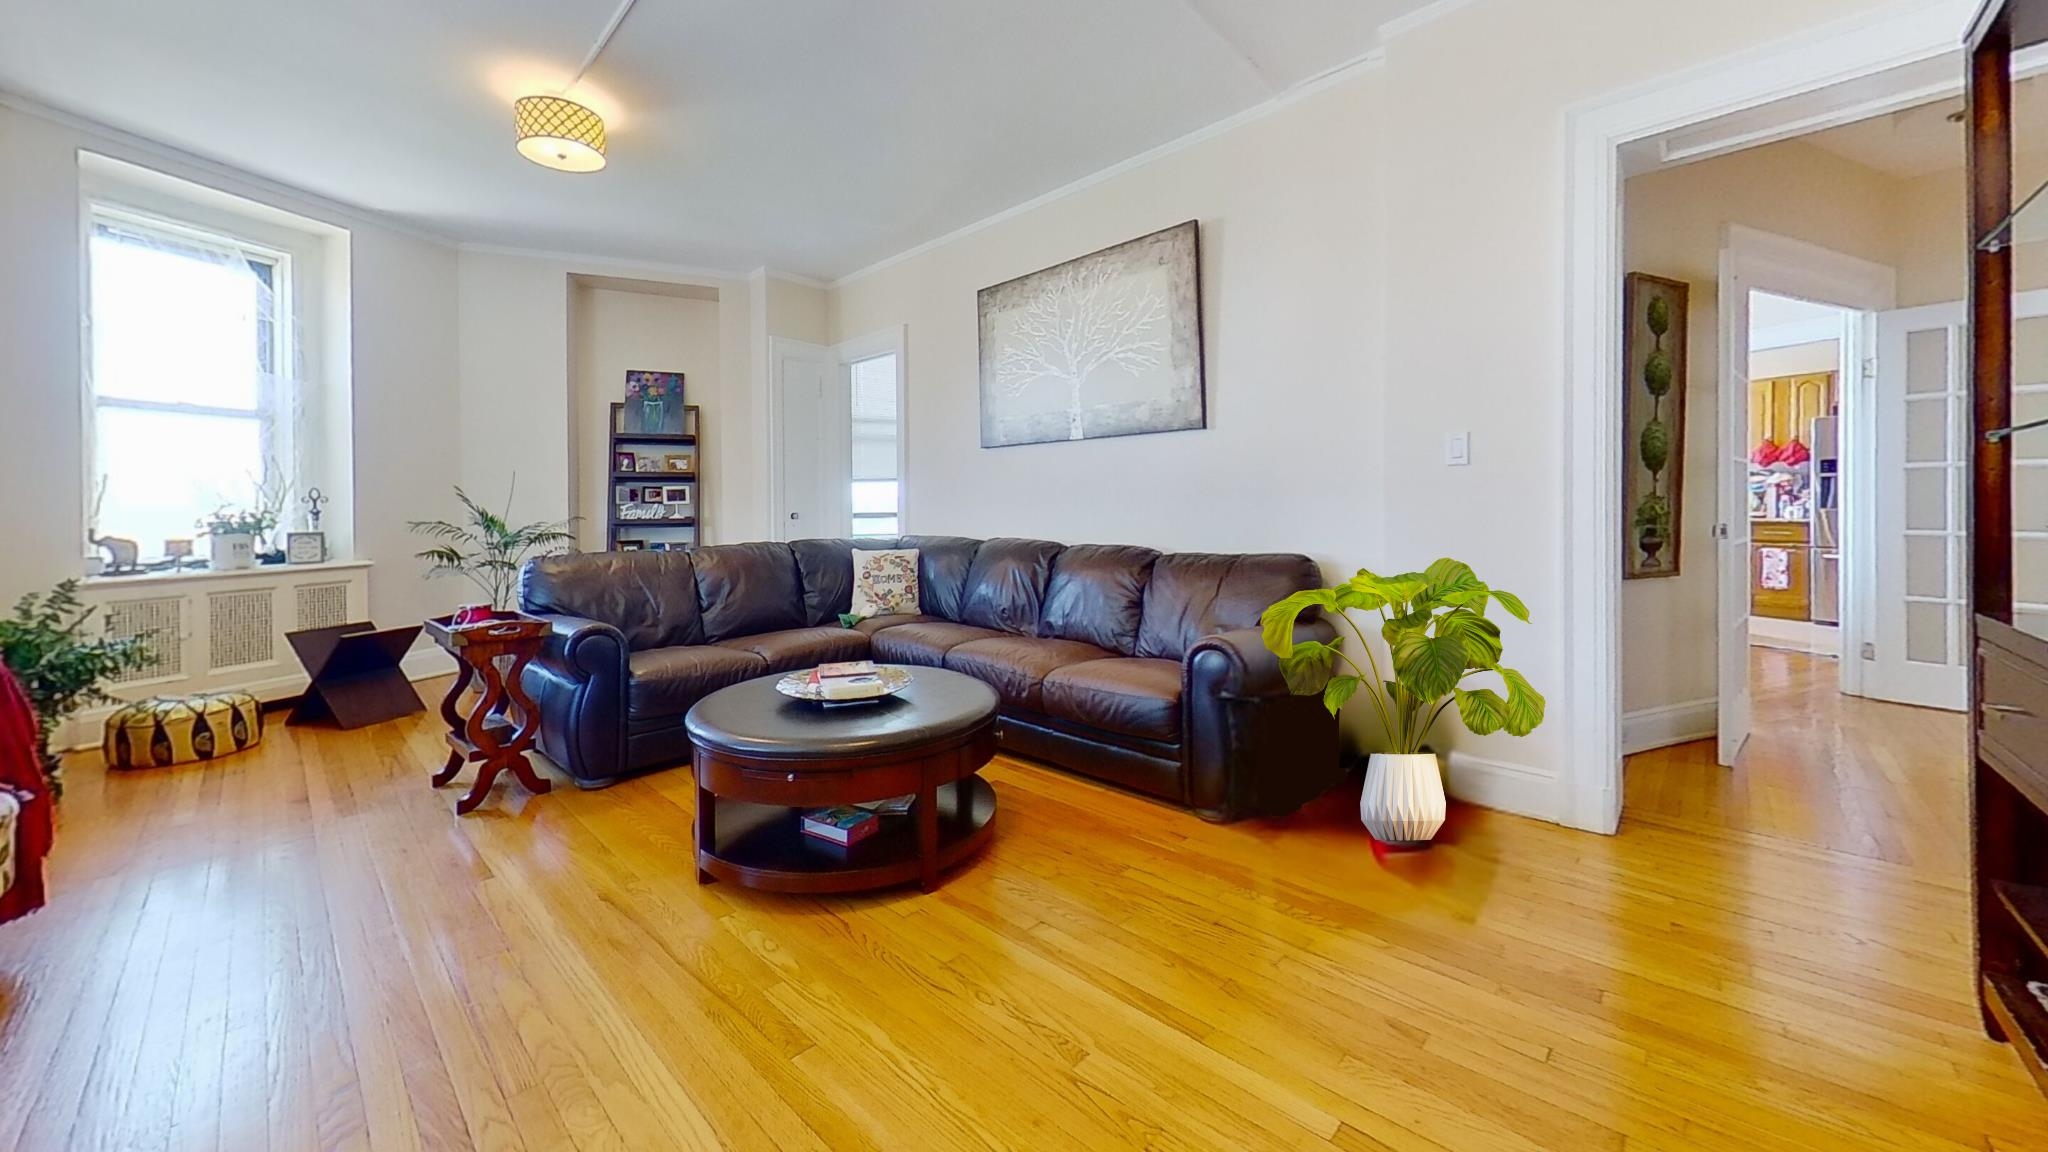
(120, 144)
(1427, 14)
(766, 273)
(577, 262)
(1351, 69)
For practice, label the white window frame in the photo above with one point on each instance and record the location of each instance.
(273, 412)
(888, 342)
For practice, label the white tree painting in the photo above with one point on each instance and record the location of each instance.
(1105, 345)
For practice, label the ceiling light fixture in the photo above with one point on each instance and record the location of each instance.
(557, 132)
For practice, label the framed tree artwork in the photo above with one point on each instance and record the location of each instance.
(1653, 358)
(1107, 344)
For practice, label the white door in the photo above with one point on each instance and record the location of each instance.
(1916, 653)
(1732, 560)
(806, 458)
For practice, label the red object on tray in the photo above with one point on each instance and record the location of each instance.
(1793, 454)
(21, 772)
(1765, 455)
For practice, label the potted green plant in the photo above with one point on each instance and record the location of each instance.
(1437, 636)
(485, 549)
(232, 533)
(45, 645)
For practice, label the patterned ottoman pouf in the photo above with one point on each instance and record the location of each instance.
(167, 730)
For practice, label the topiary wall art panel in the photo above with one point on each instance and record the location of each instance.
(1653, 425)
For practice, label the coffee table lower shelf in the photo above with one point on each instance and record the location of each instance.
(762, 846)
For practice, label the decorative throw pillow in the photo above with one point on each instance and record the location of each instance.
(885, 583)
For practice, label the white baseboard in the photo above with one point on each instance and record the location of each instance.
(1670, 724)
(1523, 789)
(83, 730)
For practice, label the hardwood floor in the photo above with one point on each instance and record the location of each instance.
(302, 948)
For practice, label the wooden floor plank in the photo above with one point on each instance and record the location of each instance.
(301, 947)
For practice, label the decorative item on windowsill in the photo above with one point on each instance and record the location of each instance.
(1437, 636)
(232, 535)
(486, 550)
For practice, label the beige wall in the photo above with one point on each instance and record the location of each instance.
(612, 332)
(1795, 359)
(1291, 252)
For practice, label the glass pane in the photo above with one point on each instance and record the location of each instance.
(874, 418)
(864, 526)
(874, 497)
(2030, 350)
(2030, 571)
(2030, 498)
(1927, 360)
(1927, 633)
(1927, 565)
(2027, 407)
(164, 470)
(1927, 499)
(2032, 623)
(174, 327)
(1926, 429)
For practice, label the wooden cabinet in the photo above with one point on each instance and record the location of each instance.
(1784, 408)
(1773, 542)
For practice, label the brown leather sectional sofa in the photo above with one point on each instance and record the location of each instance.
(1125, 664)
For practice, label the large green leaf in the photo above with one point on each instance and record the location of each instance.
(1339, 690)
(1276, 623)
(1449, 578)
(1480, 635)
(1482, 709)
(1429, 666)
(1307, 668)
(1513, 604)
(1399, 626)
(1387, 589)
(1525, 703)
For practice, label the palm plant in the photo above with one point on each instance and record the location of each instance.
(1437, 635)
(486, 549)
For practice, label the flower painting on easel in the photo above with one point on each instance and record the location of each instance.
(1653, 424)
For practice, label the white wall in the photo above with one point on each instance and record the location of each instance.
(520, 413)
(1795, 360)
(1291, 252)
(403, 353)
(612, 332)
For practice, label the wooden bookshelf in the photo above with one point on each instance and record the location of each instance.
(2009, 671)
(631, 524)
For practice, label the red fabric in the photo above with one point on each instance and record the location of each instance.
(22, 773)
(1794, 454)
(1765, 455)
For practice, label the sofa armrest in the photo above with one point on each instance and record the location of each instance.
(579, 682)
(1253, 748)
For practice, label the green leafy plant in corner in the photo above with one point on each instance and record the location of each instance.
(45, 644)
(485, 548)
(1437, 636)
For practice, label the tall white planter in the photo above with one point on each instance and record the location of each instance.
(232, 551)
(1403, 801)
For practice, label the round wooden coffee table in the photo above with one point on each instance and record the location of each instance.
(763, 758)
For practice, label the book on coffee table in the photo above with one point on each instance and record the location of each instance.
(843, 670)
(842, 825)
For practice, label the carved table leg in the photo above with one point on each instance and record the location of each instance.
(707, 829)
(529, 728)
(927, 836)
(490, 751)
(454, 719)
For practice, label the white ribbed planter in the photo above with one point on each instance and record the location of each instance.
(231, 551)
(1403, 801)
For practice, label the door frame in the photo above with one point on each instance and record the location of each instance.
(1865, 48)
(1765, 262)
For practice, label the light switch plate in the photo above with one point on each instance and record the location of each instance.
(1457, 448)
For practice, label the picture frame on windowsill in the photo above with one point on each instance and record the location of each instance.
(305, 547)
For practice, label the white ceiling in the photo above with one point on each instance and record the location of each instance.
(813, 136)
(1769, 311)
(1922, 141)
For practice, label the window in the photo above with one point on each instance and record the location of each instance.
(191, 400)
(876, 500)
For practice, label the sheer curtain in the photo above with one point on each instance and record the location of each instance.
(193, 377)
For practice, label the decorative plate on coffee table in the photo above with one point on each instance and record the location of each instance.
(889, 680)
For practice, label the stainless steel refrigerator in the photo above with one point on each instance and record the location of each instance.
(1824, 561)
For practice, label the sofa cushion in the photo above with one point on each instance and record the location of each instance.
(884, 581)
(1132, 697)
(1016, 666)
(925, 643)
(802, 647)
(1006, 586)
(1193, 594)
(942, 564)
(1097, 595)
(743, 589)
(666, 681)
(874, 624)
(650, 597)
(826, 569)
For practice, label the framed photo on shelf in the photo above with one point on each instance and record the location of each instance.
(625, 494)
(676, 494)
(624, 462)
(648, 464)
(678, 462)
(632, 546)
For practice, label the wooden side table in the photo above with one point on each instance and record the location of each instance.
(504, 724)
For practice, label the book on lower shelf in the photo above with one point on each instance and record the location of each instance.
(842, 825)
